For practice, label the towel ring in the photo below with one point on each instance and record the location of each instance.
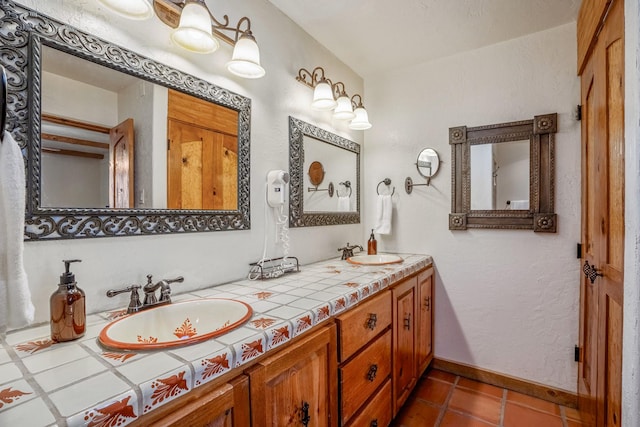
(347, 184)
(3, 101)
(386, 182)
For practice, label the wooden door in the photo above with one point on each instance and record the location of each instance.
(297, 386)
(121, 165)
(424, 312)
(601, 295)
(404, 362)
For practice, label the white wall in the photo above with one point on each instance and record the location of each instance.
(203, 258)
(507, 300)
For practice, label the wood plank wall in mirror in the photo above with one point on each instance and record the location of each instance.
(92, 119)
(503, 175)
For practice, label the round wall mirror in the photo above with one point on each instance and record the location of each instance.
(428, 162)
(316, 173)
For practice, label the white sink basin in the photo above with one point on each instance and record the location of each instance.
(175, 325)
(379, 259)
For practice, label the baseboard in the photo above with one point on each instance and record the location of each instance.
(541, 391)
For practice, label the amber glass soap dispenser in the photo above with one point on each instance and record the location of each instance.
(67, 304)
(372, 245)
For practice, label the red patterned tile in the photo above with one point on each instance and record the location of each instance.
(280, 335)
(263, 295)
(323, 312)
(263, 322)
(215, 365)
(8, 396)
(112, 415)
(341, 304)
(252, 349)
(122, 357)
(352, 284)
(165, 388)
(33, 346)
(303, 323)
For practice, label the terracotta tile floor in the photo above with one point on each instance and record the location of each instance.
(442, 399)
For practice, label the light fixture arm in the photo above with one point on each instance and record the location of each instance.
(312, 78)
(339, 90)
(169, 13)
(358, 103)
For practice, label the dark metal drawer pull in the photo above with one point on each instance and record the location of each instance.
(373, 370)
(591, 271)
(371, 322)
(374, 423)
(427, 303)
(407, 321)
(304, 415)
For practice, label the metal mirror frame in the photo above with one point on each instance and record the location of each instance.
(297, 216)
(25, 32)
(541, 216)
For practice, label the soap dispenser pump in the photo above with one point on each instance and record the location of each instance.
(372, 245)
(67, 304)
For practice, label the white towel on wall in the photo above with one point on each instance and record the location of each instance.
(344, 204)
(383, 214)
(16, 308)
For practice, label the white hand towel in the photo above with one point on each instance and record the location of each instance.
(519, 204)
(16, 308)
(383, 214)
(344, 204)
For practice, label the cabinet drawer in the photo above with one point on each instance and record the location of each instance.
(362, 376)
(358, 326)
(378, 411)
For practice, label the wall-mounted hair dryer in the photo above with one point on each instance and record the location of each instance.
(276, 182)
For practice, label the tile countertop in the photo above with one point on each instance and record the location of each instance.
(43, 383)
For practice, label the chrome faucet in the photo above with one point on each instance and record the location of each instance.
(165, 290)
(149, 290)
(347, 251)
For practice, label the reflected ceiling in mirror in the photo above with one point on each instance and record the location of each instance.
(26, 40)
(503, 175)
(340, 158)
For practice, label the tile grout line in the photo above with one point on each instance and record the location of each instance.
(445, 405)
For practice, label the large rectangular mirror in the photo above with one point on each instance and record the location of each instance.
(325, 177)
(503, 175)
(111, 147)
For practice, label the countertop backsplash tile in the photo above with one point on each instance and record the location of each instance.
(43, 383)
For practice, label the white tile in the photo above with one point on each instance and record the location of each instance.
(300, 292)
(54, 357)
(212, 366)
(4, 356)
(286, 312)
(282, 298)
(30, 334)
(235, 336)
(150, 367)
(165, 388)
(85, 394)
(317, 286)
(69, 373)
(198, 351)
(32, 413)
(326, 296)
(306, 303)
(281, 288)
(9, 372)
(263, 306)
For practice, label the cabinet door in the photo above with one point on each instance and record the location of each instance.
(404, 364)
(297, 386)
(225, 406)
(424, 312)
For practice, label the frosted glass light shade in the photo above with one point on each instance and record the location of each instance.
(132, 9)
(361, 121)
(245, 61)
(344, 110)
(194, 31)
(323, 97)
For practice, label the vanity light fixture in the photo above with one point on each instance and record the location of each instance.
(333, 96)
(197, 30)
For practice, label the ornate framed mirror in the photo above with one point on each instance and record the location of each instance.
(340, 158)
(36, 50)
(503, 175)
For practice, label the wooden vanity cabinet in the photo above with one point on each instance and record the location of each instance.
(296, 386)
(412, 304)
(226, 405)
(364, 351)
(424, 315)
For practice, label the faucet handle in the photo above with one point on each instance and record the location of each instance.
(134, 302)
(178, 279)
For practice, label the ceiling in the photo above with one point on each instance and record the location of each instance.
(373, 36)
